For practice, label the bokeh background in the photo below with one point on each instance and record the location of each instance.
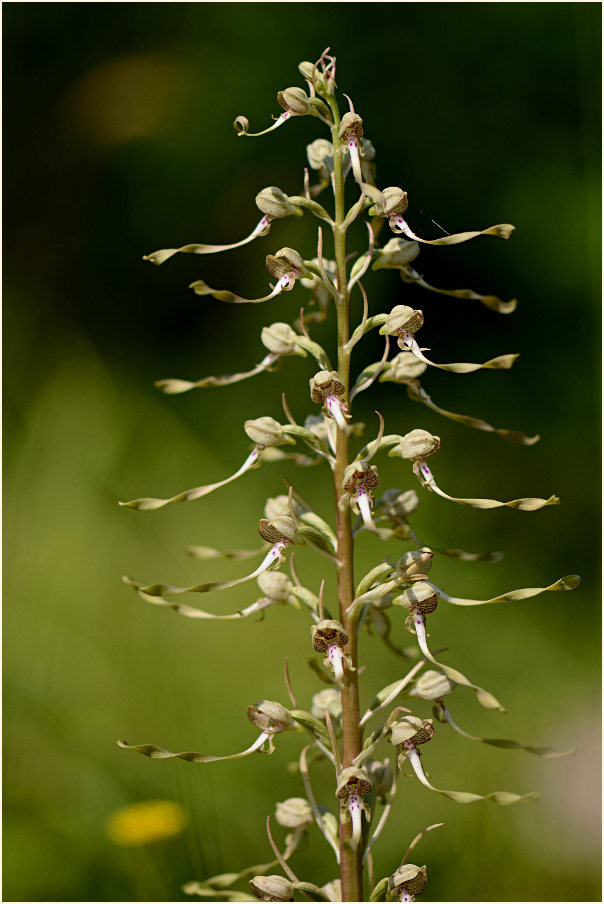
(119, 141)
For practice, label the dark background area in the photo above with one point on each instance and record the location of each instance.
(118, 141)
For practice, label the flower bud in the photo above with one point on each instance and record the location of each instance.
(275, 204)
(402, 319)
(280, 339)
(283, 527)
(266, 431)
(270, 716)
(413, 730)
(285, 261)
(417, 444)
(295, 100)
(275, 585)
(421, 597)
(325, 382)
(320, 154)
(396, 254)
(328, 632)
(272, 888)
(403, 368)
(328, 699)
(432, 685)
(408, 879)
(294, 813)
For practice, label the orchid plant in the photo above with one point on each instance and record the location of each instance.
(337, 731)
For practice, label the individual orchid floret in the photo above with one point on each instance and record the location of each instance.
(326, 389)
(416, 392)
(350, 135)
(410, 731)
(397, 254)
(272, 718)
(409, 734)
(406, 341)
(420, 599)
(433, 687)
(407, 882)
(241, 125)
(260, 229)
(281, 532)
(397, 203)
(524, 504)
(402, 321)
(149, 503)
(287, 265)
(329, 637)
(359, 480)
(353, 783)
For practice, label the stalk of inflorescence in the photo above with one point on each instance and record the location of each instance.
(351, 868)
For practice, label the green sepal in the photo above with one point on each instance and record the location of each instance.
(318, 353)
(313, 206)
(312, 725)
(311, 439)
(317, 531)
(372, 577)
(311, 891)
(379, 892)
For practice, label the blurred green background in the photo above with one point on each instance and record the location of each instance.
(119, 141)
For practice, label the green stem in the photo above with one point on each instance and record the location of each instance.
(351, 868)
